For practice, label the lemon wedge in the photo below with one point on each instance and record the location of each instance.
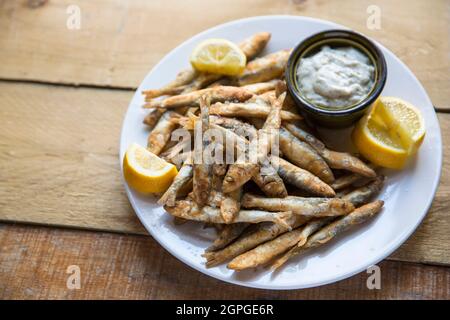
(390, 133)
(145, 171)
(218, 56)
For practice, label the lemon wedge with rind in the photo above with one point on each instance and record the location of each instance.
(390, 134)
(403, 121)
(376, 145)
(145, 171)
(218, 56)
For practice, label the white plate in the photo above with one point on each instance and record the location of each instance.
(407, 194)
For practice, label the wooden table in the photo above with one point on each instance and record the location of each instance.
(63, 94)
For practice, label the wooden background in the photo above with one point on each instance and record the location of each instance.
(63, 94)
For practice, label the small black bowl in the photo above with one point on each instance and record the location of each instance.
(342, 117)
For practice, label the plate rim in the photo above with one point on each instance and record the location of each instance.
(394, 245)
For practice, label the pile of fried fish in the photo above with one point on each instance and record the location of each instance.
(272, 209)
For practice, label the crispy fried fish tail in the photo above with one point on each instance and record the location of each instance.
(324, 235)
(265, 68)
(266, 251)
(305, 137)
(231, 204)
(184, 176)
(182, 79)
(363, 194)
(350, 179)
(160, 135)
(307, 230)
(255, 44)
(262, 87)
(271, 249)
(242, 129)
(345, 161)
(228, 234)
(260, 234)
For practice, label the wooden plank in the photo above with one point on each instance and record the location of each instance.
(427, 243)
(59, 166)
(59, 157)
(34, 260)
(119, 41)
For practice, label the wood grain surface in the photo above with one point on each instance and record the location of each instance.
(59, 166)
(59, 145)
(35, 261)
(119, 41)
(59, 161)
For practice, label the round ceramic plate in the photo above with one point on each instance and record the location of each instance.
(407, 194)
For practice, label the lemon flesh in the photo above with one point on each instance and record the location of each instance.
(218, 56)
(403, 121)
(146, 172)
(390, 134)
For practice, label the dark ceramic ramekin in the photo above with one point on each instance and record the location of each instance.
(347, 115)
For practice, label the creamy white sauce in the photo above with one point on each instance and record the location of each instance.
(335, 77)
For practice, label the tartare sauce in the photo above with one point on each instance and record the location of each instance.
(335, 77)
